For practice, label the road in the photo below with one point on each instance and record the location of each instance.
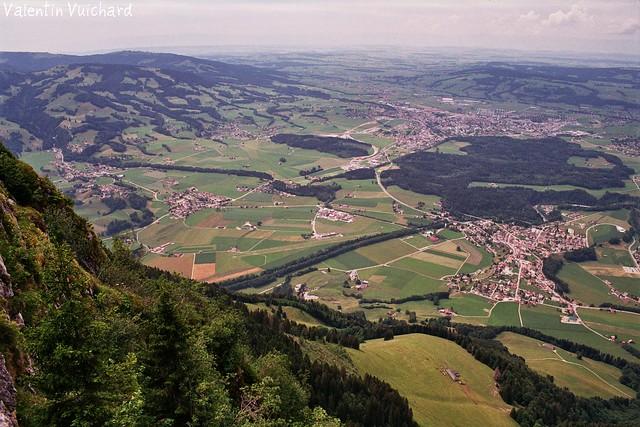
(138, 230)
(395, 198)
(518, 292)
(153, 192)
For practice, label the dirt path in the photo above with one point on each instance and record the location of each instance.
(592, 372)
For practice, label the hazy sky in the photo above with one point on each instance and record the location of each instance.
(611, 26)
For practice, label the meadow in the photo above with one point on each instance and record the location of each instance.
(584, 377)
(435, 399)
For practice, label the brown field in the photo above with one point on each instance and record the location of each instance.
(475, 257)
(212, 221)
(436, 259)
(608, 270)
(449, 246)
(234, 275)
(377, 279)
(180, 264)
(202, 272)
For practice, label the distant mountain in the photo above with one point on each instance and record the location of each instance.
(213, 71)
(52, 100)
(540, 84)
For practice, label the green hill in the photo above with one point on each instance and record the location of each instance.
(416, 364)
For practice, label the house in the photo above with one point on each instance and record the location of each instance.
(455, 376)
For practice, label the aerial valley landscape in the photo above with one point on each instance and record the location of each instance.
(370, 236)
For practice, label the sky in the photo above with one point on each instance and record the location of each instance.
(592, 26)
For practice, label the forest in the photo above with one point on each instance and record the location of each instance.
(341, 147)
(510, 161)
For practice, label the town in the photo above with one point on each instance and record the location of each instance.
(184, 203)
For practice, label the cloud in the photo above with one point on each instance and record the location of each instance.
(530, 16)
(576, 14)
(629, 28)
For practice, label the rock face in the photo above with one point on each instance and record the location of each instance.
(7, 397)
(5, 281)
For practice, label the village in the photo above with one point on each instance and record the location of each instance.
(518, 259)
(184, 203)
(425, 127)
(334, 215)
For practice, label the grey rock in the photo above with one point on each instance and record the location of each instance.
(7, 397)
(5, 281)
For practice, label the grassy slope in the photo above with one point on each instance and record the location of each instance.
(411, 363)
(590, 379)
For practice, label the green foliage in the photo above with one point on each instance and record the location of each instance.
(82, 383)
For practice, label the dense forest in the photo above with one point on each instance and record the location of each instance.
(341, 147)
(323, 192)
(504, 160)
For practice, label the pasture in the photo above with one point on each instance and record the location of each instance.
(547, 320)
(585, 377)
(602, 233)
(624, 326)
(505, 313)
(585, 287)
(435, 399)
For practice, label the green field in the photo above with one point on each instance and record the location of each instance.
(624, 325)
(205, 258)
(547, 320)
(602, 233)
(614, 256)
(412, 364)
(585, 287)
(389, 282)
(505, 313)
(467, 305)
(624, 284)
(300, 316)
(451, 147)
(585, 377)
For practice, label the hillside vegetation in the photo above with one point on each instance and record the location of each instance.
(91, 337)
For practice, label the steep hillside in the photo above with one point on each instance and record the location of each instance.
(91, 337)
(80, 104)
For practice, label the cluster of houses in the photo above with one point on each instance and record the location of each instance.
(184, 203)
(90, 172)
(304, 293)
(359, 285)
(425, 127)
(628, 145)
(334, 215)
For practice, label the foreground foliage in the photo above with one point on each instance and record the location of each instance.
(92, 337)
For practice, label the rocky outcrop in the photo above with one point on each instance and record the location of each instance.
(5, 281)
(7, 397)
